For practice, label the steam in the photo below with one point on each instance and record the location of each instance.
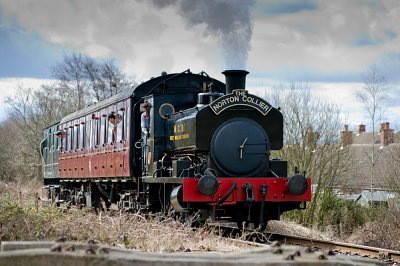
(228, 19)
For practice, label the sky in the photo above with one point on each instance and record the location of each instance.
(327, 45)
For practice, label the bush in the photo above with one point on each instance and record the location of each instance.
(22, 218)
(382, 229)
(25, 223)
(333, 214)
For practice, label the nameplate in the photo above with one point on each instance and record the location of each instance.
(240, 97)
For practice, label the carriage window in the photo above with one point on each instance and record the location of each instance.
(119, 119)
(55, 141)
(54, 148)
(76, 137)
(70, 139)
(65, 140)
(95, 132)
(111, 129)
(81, 136)
(61, 143)
(102, 130)
(50, 137)
(88, 132)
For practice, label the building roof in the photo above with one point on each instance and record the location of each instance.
(363, 171)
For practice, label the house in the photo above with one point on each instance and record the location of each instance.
(373, 165)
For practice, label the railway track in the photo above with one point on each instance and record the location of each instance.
(339, 247)
(83, 254)
(329, 247)
(263, 239)
(259, 239)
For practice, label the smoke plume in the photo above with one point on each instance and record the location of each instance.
(230, 20)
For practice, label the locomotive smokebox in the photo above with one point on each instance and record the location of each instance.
(235, 80)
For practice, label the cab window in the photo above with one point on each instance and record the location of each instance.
(126, 124)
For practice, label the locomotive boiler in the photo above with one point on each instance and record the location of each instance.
(209, 151)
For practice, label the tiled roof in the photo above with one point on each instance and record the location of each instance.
(366, 138)
(359, 173)
(397, 137)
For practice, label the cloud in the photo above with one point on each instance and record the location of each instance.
(319, 45)
(9, 86)
(306, 74)
(280, 7)
(305, 40)
(389, 66)
(24, 53)
(134, 32)
(378, 5)
(337, 21)
(364, 39)
(391, 35)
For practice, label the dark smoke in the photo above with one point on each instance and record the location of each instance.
(228, 19)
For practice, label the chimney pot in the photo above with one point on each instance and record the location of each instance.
(346, 137)
(386, 125)
(387, 134)
(361, 128)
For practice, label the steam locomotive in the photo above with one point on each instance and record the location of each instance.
(208, 151)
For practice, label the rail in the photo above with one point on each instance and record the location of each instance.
(329, 247)
(339, 247)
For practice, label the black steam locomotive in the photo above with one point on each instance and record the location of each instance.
(208, 150)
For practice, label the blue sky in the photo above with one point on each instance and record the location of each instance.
(26, 54)
(327, 44)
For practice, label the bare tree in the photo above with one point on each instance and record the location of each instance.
(84, 80)
(373, 96)
(11, 143)
(31, 110)
(115, 81)
(29, 125)
(72, 80)
(311, 129)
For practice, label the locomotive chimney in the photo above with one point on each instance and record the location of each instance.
(235, 80)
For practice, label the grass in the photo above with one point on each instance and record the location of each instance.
(22, 218)
(382, 231)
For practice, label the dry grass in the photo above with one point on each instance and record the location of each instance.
(22, 218)
(294, 229)
(144, 233)
(382, 232)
